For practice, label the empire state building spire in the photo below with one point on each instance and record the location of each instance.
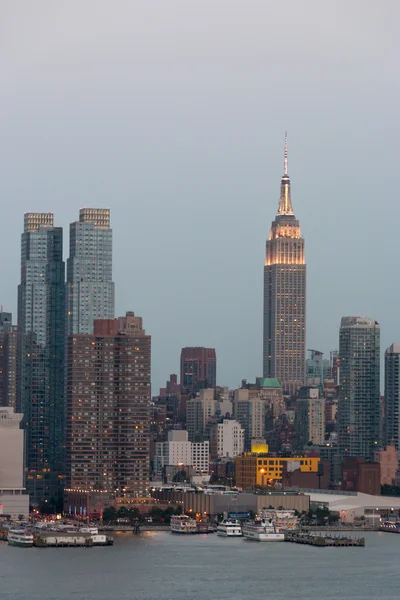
(285, 295)
(285, 203)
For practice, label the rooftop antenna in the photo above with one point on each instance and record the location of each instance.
(285, 160)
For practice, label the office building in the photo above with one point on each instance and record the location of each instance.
(13, 496)
(359, 400)
(392, 396)
(41, 350)
(226, 439)
(90, 289)
(317, 368)
(108, 411)
(285, 296)
(8, 361)
(177, 451)
(310, 417)
(250, 413)
(199, 412)
(198, 369)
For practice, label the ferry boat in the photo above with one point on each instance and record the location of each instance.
(228, 528)
(390, 526)
(262, 530)
(183, 524)
(20, 537)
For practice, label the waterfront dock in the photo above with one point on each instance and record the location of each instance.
(60, 539)
(313, 539)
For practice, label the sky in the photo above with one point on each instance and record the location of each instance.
(172, 113)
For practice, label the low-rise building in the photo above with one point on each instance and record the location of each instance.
(260, 470)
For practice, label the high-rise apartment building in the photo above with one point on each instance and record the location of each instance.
(249, 411)
(41, 350)
(310, 417)
(392, 396)
(90, 289)
(108, 411)
(285, 296)
(8, 361)
(198, 369)
(359, 400)
(199, 412)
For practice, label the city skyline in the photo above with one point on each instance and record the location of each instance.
(188, 162)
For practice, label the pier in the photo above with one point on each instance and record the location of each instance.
(313, 539)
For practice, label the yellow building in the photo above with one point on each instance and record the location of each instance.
(254, 469)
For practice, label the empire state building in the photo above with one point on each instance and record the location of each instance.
(285, 295)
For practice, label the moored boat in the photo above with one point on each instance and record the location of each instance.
(183, 524)
(262, 530)
(20, 537)
(229, 528)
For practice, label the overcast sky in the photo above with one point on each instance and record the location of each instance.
(172, 113)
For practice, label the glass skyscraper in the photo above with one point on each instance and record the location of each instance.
(285, 296)
(90, 289)
(359, 400)
(41, 350)
(392, 396)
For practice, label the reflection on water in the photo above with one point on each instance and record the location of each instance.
(163, 566)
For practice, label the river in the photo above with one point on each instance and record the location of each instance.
(164, 566)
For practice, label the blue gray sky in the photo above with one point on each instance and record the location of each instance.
(172, 113)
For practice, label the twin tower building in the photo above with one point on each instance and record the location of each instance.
(83, 380)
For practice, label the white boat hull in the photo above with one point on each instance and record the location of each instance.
(264, 537)
(20, 544)
(229, 533)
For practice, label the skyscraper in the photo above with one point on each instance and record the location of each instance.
(90, 289)
(285, 295)
(392, 396)
(8, 361)
(41, 342)
(108, 412)
(359, 400)
(198, 369)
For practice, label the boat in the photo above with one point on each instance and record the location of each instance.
(390, 526)
(183, 524)
(262, 530)
(20, 537)
(229, 528)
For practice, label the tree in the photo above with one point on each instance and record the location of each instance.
(134, 513)
(109, 514)
(21, 517)
(180, 477)
(123, 513)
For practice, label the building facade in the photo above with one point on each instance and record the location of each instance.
(392, 396)
(90, 289)
(108, 410)
(310, 417)
(250, 413)
(198, 369)
(41, 352)
(13, 496)
(359, 401)
(285, 296)
(226, 439)
(199, 412)
(8, 361)
(260, 470)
